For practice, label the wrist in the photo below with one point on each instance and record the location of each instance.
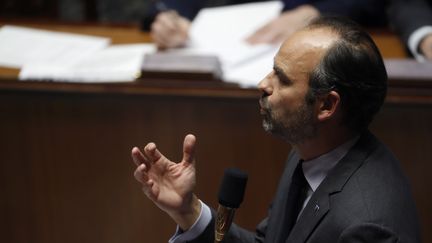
(188, 215)
(425, 47)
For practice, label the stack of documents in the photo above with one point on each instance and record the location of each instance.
(116, 63)
(56, 56)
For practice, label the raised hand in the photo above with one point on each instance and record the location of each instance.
(168, 184)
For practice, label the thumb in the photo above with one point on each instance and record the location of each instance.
(189, 148)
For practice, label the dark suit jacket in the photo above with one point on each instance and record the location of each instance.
(405, 16)
(364, 198)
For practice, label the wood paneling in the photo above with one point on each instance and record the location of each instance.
(66, 161)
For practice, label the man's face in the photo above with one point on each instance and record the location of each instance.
(283, 103)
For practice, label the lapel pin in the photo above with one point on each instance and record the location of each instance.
(316, 209)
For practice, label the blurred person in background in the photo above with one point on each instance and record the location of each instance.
(412, 20)
(172, 18)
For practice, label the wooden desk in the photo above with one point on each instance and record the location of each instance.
(66, 173)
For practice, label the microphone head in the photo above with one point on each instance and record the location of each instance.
(232, 188)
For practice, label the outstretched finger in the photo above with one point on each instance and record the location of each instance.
(152, 153)
(139, 158)
(189, 148)
(140, 174)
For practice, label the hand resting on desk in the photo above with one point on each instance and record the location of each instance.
(170, 30)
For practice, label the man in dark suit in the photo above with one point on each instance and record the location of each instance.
(170, 28)
(327, 83)
(412, 20)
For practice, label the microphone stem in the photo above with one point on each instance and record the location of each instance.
(224, 219)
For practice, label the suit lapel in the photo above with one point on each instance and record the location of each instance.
(275, 227)
(318, 206)
(313, 213)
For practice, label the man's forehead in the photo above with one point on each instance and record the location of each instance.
(314, 38)
(307, 45)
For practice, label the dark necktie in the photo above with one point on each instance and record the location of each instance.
(296, 196)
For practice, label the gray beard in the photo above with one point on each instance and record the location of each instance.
(295, 128)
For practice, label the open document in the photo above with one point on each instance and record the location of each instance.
(222, 31)
(58, 56)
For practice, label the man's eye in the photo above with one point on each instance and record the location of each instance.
(283, 79)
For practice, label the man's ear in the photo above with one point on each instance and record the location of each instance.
(328, 105)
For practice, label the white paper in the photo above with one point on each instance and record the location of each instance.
(221, 26)
(249, 74)
(20, 46)
(222, 31)
(117, 63)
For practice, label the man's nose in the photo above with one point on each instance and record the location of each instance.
(264, 85)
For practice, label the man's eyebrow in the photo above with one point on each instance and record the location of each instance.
(281, 75)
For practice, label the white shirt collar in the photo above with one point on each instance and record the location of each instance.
(316, 170)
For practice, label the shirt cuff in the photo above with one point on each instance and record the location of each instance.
(414, 41)
(197, 228)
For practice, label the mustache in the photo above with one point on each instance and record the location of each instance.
(263, 102)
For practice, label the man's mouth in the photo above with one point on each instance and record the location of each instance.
(263, 109)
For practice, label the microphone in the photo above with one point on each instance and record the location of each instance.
(231, 194)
